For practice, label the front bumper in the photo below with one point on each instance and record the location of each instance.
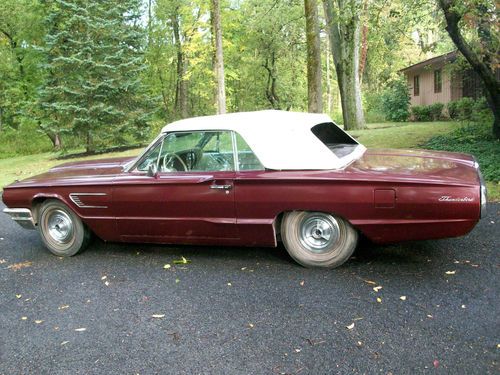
(22, 216)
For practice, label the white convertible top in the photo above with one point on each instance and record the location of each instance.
(281, 140)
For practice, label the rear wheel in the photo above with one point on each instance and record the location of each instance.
(317, 239)
(62, 231)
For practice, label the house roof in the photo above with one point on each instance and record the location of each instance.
(281, 140)
(447, 57)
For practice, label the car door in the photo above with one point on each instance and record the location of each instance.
(181, 191)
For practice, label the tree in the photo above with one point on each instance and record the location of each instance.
(94, 61)
(343, 26)
(219, 58)
(483, 58)
(314, 92)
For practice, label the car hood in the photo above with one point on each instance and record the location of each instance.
(87, 171)
(423, 165)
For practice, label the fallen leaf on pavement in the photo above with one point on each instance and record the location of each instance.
(351, 326)
(80, 329)
(182, 261)
(377, 288)
(158, 316)
(450, 272)
(402, 298)
(18, 266)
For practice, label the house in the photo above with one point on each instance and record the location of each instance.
(437, 80)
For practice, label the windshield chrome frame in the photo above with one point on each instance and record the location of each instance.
(133, 165)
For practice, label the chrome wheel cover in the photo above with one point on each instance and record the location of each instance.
(318, 232)
(60, 227)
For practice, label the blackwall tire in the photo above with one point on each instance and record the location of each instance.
(61, 230)
(317, 239)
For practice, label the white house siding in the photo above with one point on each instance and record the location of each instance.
(427, 95)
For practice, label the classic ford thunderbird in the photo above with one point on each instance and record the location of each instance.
(254, 179)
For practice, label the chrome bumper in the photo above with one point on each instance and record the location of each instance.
(483, 190)
(22, 216)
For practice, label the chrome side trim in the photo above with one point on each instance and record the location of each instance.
(22, 216)
(75, 198)
(483, 190)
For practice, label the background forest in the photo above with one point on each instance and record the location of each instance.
(89, 74)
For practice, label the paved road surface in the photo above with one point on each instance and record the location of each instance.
(250, 311)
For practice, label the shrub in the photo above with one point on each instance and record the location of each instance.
(395, 101)
(436, 110)
(431, 112)
(461, 109)
(476, 139)
(467, 109)
(421, 112)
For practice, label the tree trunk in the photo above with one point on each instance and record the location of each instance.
(329, 97)
(271, 94)
(486, 74)
(344, 40)
(181, 94)
(314, 92)
(219, 58)
(364, 42)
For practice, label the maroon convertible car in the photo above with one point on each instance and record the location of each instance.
(254, 179)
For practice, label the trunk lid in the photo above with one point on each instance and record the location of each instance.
(423, 165)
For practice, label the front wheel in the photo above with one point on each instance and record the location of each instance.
(62, 231)
(317, 239)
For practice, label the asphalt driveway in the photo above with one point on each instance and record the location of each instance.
(426, 307)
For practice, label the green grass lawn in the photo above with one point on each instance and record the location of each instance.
(401, 134)
(388, 135)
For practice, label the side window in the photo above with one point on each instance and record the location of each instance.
(150, 158)
(196, 151)
(247, 161)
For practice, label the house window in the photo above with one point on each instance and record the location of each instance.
(416, 85)
(438, 81)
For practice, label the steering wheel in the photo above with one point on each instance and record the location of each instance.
(168, 162)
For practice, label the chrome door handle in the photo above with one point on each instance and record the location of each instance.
(221, 187)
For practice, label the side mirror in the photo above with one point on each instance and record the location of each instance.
(152, 170)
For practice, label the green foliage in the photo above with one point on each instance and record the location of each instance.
(468, 109)
(94, 61)
(395, 101)
(433, 112)
(475, 139)
(24, 140)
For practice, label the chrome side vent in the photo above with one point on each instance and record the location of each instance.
(77, 198)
